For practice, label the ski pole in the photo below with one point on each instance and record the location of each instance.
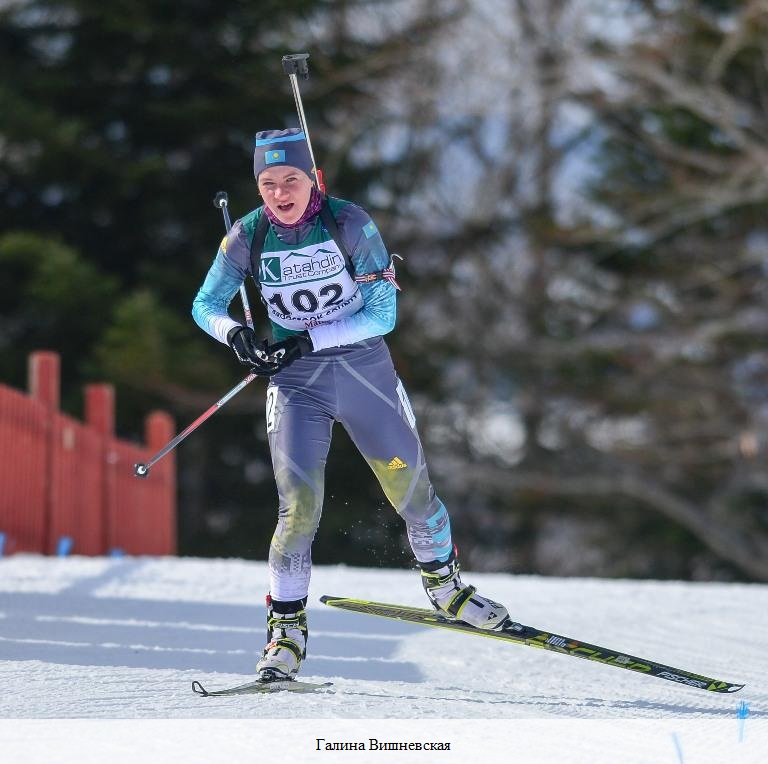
(142, 469)
(295, 64)
(221, 201)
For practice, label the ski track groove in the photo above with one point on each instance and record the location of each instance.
(93, 638)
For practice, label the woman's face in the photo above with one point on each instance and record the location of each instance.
(286, 191)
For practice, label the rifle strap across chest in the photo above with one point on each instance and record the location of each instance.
(329, 221)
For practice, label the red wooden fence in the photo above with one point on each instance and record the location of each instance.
(65, 479)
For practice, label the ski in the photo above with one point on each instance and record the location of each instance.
(528, 635)
(259, 686)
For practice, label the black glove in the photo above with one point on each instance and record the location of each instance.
(249, 351)
(285, 352)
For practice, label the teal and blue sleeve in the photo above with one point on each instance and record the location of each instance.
(210, 308)
(369, 255)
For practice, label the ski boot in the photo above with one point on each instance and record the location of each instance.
(286, 640)
(457, 601)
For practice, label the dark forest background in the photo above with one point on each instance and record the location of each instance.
(579, 190)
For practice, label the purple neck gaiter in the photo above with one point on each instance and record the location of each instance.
(313, 207)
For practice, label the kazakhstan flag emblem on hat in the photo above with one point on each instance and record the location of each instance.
(274, 156)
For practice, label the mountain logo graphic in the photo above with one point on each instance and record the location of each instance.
(320, 251)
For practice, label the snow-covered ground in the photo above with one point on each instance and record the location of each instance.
(97, 657)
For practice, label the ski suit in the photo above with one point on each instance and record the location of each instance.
(349, 378)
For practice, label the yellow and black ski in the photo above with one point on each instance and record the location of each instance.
(528, 635)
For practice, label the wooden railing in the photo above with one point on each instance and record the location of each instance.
(68, 486)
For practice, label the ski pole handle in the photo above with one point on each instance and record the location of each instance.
(296, 63)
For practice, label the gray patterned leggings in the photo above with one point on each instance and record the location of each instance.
(357, 386)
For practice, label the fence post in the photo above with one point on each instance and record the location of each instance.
(100, 416)
(100, 408)
(44, 377)
(159, 428)
(44, 381)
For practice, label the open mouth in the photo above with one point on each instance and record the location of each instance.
(285, 207)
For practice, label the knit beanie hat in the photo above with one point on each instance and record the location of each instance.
(282, 147)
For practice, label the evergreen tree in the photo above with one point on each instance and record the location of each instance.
(120, 122)
(598, 404)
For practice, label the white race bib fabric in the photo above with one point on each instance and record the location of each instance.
(306, 286)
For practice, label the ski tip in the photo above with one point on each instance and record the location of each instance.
(327, 598)
(198, 689)
(717, 685)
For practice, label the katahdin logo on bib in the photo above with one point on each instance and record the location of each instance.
(298, 266)
(270, 270)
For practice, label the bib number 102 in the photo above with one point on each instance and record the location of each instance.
(306, 301)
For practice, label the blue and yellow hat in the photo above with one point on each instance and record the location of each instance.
(282, 147)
